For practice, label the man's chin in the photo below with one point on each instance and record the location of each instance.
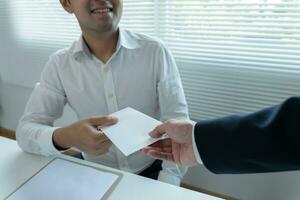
(106, 27)
(101, 29)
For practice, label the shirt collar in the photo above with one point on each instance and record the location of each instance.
(80, 47)
(126, 40)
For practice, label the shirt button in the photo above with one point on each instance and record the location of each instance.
(110, 95)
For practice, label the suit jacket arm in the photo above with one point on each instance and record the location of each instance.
(264, 141)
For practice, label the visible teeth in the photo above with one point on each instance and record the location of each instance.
(104, 10)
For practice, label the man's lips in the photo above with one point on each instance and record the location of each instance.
(101, 10)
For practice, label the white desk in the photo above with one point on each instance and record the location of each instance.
(16, 167)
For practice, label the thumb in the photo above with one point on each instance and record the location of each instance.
(103, 121)
(158, 131)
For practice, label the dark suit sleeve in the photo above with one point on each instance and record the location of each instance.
(264, 141)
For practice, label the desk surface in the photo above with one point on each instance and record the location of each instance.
(16, 167)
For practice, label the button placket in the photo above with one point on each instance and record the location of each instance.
(109, 88)
(112, 105)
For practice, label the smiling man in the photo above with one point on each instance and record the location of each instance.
(105, 70)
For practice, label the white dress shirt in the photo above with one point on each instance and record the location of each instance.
(141, 74)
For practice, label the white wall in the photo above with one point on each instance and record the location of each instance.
(13, 99)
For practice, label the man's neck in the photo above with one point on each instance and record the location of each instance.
(102, 45)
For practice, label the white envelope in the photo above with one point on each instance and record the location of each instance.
(130, 134)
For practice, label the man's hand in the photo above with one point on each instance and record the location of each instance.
(85, 135)
(178, 148)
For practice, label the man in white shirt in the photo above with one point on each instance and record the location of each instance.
(106, 70)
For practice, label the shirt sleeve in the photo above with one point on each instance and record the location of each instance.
(46, 104)
(172, 104)
(196, 152)
(172, 173)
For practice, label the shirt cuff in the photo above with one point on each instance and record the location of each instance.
(46, 142)
(169, 178)
(196, 152)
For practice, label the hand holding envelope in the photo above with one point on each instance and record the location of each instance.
(84, 135)
(130, 134)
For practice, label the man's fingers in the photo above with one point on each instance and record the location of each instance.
(146, 150)
(162, 143)
(167, 149)
(160, 155)
(102, 148)
(102, 121)
(106, 144)
(163, 149)
(158, 131)
(176, 152)
(100, 137)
